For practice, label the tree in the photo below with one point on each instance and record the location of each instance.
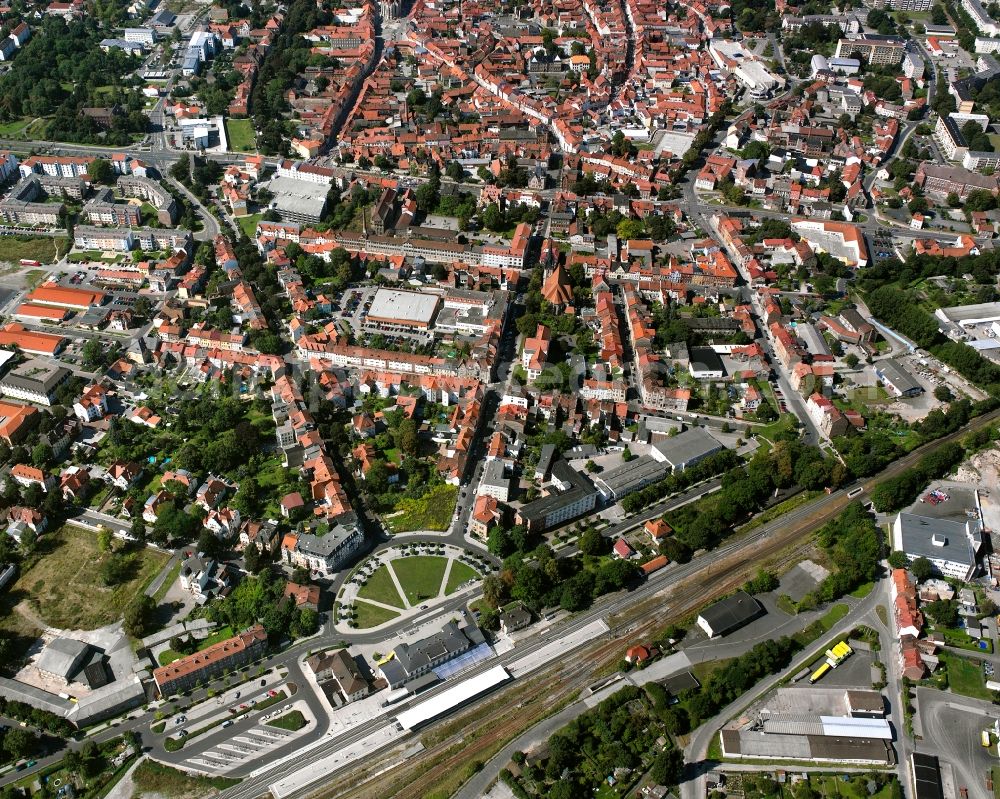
(18, 742)
(115, 569)
(308, 621)
(764, 582)
(851, 360)
(943, 394)
(500, 542)
(100, 171)
(93, 354)
(898, 560)
(252, 559)
(41, 455)
(577, 592)
(668, 767)
(592, 542)
(139, 616)
(138, 529)
(494, 591)
(103, 539)
(377, 478)
(922, 569)
(943, 611)
(208, 543)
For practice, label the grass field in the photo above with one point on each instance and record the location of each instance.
(420, 576)
(460, 572)
(785, 422)
(63, 587)
(372, 616)
(822, 625)
(36, 248)
(152, 777)
(290, 721)
(965, 677)
(431, 512)
(25, 128)
(381, 588)
(14, 128)
(248, 224)
(241, 135)
(169, 656)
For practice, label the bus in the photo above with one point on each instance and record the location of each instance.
(984, 737)
(29, 262)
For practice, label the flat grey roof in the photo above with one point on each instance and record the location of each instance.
(493, 474)
(984, 310)
(917, 536)
(408, 307)
(632, 475)
(36, 376)
(299, 196)
(687, 446)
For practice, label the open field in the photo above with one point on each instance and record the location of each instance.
(151, 777)
(63, 587)
(420, 576)
(381, 588)
(35, 248)
(25, 128)
(372, 615)
(965, 677)
(248, 224)
(241, 135)
(290, 721)
(431, 512)
(460, 573)
(823, 624)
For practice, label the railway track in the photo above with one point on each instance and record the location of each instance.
(419, 775)
(696, 584)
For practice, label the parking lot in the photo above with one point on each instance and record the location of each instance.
(239, 744)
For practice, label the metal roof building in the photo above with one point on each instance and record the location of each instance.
(62, 657)
(684, 450)
(453, 697)
(897, 379)
(632, 476)
(403, 308)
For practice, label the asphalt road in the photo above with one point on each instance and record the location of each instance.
(951, 726)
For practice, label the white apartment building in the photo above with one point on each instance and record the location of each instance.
(141, 35)
(980, 16)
